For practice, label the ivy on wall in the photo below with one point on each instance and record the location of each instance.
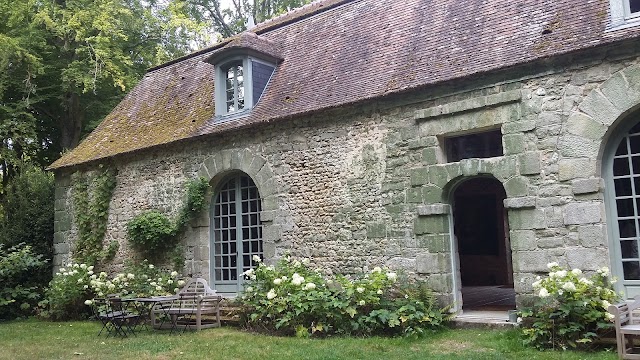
(91, 198)
(156, 237)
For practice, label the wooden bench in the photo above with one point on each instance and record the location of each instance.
(627, 324)
(195, 304)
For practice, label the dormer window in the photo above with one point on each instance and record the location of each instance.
(624, 13)
(244, 67)
(234, 87)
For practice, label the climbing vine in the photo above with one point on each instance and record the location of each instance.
(91, 198)
(156, 237)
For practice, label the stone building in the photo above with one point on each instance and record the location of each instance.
(466, 145)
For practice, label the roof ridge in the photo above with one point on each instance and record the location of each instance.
(297, 14)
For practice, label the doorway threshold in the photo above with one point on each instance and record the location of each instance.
(482, 319)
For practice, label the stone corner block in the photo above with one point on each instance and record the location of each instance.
(586, 186)
(431, 264)
(434, 209)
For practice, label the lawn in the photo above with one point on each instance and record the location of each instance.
(33, 339)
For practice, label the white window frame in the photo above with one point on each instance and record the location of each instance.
(621, 16)
(221, 85)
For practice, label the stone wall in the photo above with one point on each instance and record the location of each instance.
(361, 187)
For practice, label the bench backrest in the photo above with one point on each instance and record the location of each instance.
(624, 312)
(196, 286)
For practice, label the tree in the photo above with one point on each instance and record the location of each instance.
(233, 20)
(64, 64)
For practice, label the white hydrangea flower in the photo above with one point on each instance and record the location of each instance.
(169, 281)
(90, 268)
(180, 282)
(131, 276)
(175, 290)
(543, 293)
(536, 284)
(256, 258)
(392, 276)
(605, 304)
(62, 270)
(151, 266)
(90, 272)
(159, 288)
(552, 265)
(586, 281)
(379, 292)
(249, 289)
(85, 287)
(610, 316)
(88, 302)
(153, 283)
(297, 279)
(310, 286)
(361, 302)
(569, 286)
(360, 289)
(604, 271)
(174, 273)
(83, 266)
(306, 261)
(277, 281)
(296, 263)
(576, 272)
(271, 294)
(80, 281)
(376, 269)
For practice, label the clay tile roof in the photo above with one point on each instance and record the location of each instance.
(339, 52)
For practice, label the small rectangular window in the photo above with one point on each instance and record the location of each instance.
(479, 145)
(634, 7)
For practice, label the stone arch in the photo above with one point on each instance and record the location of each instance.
(589, 128)
(217, 167)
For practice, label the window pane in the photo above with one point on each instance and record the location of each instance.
(625, 207)
(621, 166)
(627, 228)
(631, 270)
(481, 145)
(634, 6)
(634, 144)
(622, 148)
(623, 186)
(629, 249)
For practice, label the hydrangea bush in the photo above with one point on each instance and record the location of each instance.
(570, 309)
(75, 285)
(290, 298)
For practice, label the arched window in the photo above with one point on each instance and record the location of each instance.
(236, 235)
(622, 174)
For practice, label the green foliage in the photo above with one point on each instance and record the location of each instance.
(151, 233)
(28, 215)
(292, 299)
(91, 198)
(20, 290)
(232, 20)
(155, 236)
(72, 288)
(570, 310)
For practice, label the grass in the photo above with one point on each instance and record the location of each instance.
(33, 339)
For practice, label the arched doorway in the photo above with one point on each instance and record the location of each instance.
(622, 178)
(236, 232)
(484, 252)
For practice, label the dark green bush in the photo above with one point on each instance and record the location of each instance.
(151, 233)
(28, 216)
(20, 290)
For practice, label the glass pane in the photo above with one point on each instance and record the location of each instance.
(234, 274)
(631, 270)
(629, 249)
(622, 148)
(636, 128)
(627, 228)
(623, 187)
(634, 6)
(621, 166)
(625, 207)
(634, 144)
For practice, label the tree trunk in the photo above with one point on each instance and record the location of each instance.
(71, 122)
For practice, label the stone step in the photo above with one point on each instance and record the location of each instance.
(482, 319)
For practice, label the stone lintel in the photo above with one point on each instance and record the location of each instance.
(493, 100)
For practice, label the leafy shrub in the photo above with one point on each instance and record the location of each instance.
(570, 310)
(155, 236)
(20, 290)
(290, 298)
(74, 286)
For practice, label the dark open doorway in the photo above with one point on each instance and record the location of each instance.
(484, 252)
